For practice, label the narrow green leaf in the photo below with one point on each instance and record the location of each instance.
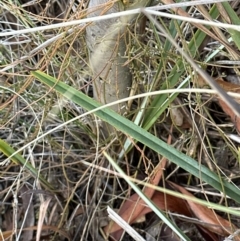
(159, 103)
(141, 135)
(149, 202)
(7, 150)
(234, 20)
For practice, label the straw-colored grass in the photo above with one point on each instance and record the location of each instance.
(59, 175)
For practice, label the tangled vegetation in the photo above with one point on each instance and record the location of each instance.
(169, 166)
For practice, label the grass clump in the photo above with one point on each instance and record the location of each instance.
(174, 145)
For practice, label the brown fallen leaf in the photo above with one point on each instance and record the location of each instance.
(210, 224)
(227, 86)
(162, 201)
(132, 208)
(234, 118)
(180, 206)
(215, 223)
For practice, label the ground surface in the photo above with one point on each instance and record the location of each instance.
(70, 157)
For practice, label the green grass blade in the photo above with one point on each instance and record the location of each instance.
(7, 150)
(235, 20)
(149, 202)
(139, 134)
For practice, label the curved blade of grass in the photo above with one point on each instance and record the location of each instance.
(19, 160)
(138, 133)
(149, 202)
